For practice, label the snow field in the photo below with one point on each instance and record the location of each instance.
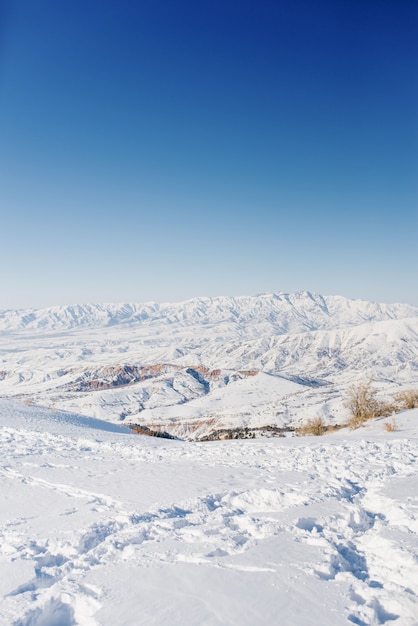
(102, 527)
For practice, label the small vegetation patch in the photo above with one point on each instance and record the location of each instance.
(314, 426)
(229, 433)
(407, 399)
(362, 404)
(391, 425)
(274, 431)
(247, 433)
(144, 430)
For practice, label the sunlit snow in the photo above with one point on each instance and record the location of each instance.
(101, 527)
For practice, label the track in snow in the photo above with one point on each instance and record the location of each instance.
(93, 517)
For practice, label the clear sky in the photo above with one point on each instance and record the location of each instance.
(165, 149)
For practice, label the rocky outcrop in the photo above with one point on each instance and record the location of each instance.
(248, 373)
(110, 376)
(205, 372)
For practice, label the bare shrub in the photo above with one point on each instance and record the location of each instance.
(385, 409)
(314, 426)
(354, 422)
(362, 404)
(391, 425)
(407, 399)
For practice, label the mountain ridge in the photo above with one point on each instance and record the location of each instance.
(313, 311)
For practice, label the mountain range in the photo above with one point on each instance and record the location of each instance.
(194, 367)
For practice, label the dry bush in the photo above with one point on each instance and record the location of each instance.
(385, 409)
(391, 426)
(362, 404)
(355, 421)
(314, 426)
(407, 399)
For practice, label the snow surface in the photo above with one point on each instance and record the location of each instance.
(101, 527)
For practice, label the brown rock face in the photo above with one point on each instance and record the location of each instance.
(205, 372)
(110, 376)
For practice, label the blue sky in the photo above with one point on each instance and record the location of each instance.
(164, 150)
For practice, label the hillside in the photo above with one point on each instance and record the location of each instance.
(208, 363)
(102, 527)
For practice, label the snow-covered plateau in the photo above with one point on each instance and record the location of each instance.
(103, 527)
(195, 367)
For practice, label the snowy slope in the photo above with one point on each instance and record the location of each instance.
(279, 312)
(208, 363)
(101, 527)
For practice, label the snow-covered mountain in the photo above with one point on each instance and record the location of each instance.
(207, 363)
(278, 312)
